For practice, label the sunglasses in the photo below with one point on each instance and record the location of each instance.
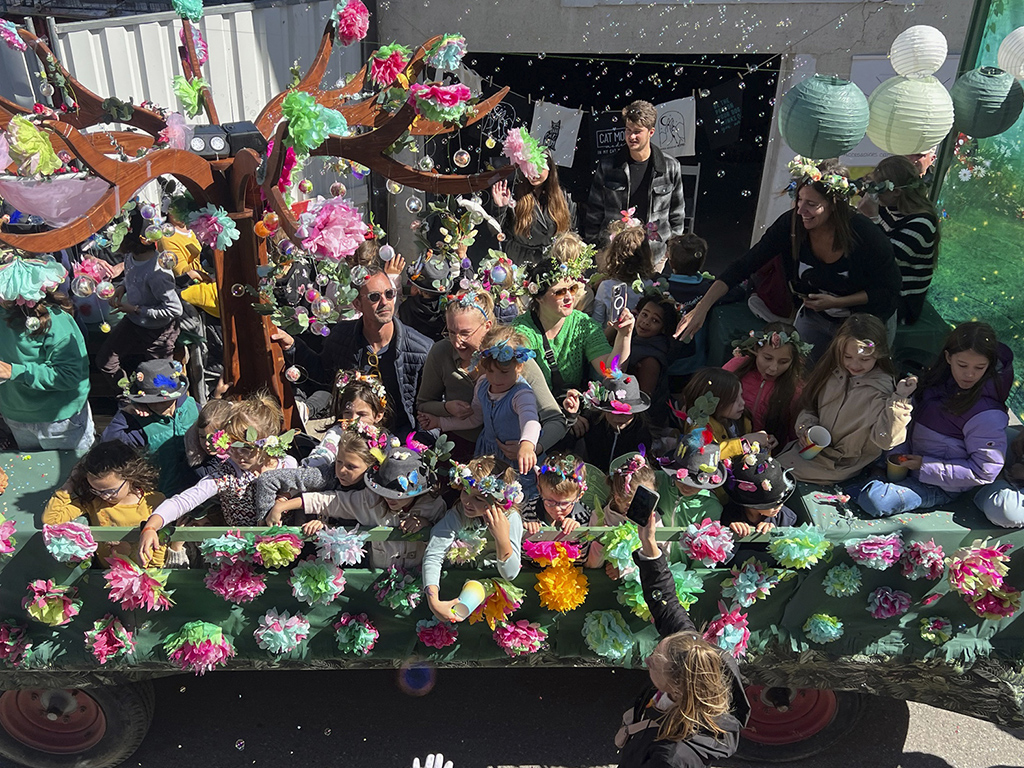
(563, 292)
(389, 294)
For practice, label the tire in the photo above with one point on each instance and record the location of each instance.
(105, 726)
(812, 723)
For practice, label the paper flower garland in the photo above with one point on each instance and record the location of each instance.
(188, 9)
(134, 587)
(341, 547)
(607, 635)
(468, 546)
(440, 103)
(199, 647)
(335, 231)
(520, 638)
(750, 582)
(236, 582)
(503, 599)
(189, 93)
(108, 639)
(979, 568)
(842, 581)
(996, 604)
(546, 553)
(619, 544)
(355, 634)
(232, 547)
(709, 543)
(9, 34)
(309, 123)
(822, 628)
(69, 542)
(50, 604)
(7, 540)
(277, 548)
(562, 587)
(525, 152)
(877, 552)
(922, 560)
(729, 631)
(317, 583)
(436, 634)
(387, 63)
(887, 603)
(213, 227)
(937, 630)
(447, 53)
(351, 21)
(14, 646)
(281, 632)
(398, 590)
(798, 547)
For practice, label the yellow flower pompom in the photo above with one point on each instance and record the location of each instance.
(562, 587)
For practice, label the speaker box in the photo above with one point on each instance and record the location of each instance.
(245, 135)
(210, 141)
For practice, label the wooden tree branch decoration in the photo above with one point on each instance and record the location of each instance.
(231, 183)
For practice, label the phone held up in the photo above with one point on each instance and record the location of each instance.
(618, 301)
(644, 502)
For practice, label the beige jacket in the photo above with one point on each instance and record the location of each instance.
(864, 416)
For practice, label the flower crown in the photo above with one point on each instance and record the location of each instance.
(466, 300)
(503, 352)
(491, 486)
(567, 468)
(802, 168)
(344, 378)
(775, 340)
(376, 439)
(275, 446)
(555, 270)
(636, 462)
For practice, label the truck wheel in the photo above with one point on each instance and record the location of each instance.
(96, 727)
(793, 723)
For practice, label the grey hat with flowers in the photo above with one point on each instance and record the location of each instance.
(435, 272)
(409, 469)
(616, 392)
(156, 381)
(697, 461)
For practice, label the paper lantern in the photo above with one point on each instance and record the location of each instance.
(909, 115)
(986, 102)
(823, 117)
(918, 51)
(1011, 53)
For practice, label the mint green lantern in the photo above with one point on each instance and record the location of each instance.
(823, 117)
(986, 101)
(909, 114)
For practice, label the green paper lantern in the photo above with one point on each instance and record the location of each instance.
(909, 115)
(987, 101)
(823, 117)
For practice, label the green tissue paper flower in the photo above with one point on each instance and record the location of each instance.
(189, 93)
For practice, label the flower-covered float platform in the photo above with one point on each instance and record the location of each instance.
(919, 606)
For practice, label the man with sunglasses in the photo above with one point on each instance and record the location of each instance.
(377, 342)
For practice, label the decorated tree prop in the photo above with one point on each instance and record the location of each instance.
(244, 186)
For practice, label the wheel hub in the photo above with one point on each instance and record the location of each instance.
(780, 715)
(55, 721)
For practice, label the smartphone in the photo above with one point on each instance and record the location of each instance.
(618, 301)
(644, 502)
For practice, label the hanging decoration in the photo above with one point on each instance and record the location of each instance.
(823, 117)
(918, 51)
(909, 115)
(351, 21)
(986, 102)
(1011, 54)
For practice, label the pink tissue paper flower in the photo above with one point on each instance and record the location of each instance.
(887, 603)
(444, 95)
(996, 604)
(385, 71)
(337, 231)
(520, 638)
(353, 22)
(729, 631)
(236, 582)
(923, 560)
(709, 543)
(13, 643)
(134, 588)
(435, 634)
(878, 552)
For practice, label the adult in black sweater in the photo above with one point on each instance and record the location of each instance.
(696, 708)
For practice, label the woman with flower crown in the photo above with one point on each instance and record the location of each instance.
(836, 261)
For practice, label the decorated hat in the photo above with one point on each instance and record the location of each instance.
(434, 272)
(757, 480)
(617, 392)
(409, 469)
(697, 459)
(26, 280)
(156, 381)
(491, 486)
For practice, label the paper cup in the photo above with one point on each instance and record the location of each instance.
(819, 439)
(473, 593)
(894, 469)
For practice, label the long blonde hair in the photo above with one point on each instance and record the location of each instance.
(701, 690)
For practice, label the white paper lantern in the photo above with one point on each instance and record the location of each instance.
(1011, 53)
(909, 115)
(918, 51)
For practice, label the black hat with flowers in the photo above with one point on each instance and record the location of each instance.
(756, 480)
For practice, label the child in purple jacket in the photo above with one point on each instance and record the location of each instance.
(957, 440)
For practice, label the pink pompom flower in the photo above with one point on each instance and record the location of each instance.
(996, 604)
(979, 568)
(9, 34)
(50, 604)
(878, 552)
(709, 543)
(6, 536)
(520, 638)
(337, 230)
(387, 63)
(352, 21)
(13, 643)
(134, 587)
(69, 542)
(729, 630)
(436, 634)
(199, 647)
(236, 582)
(108, 639)
(887, 603)
(923, 560)
(547, 553)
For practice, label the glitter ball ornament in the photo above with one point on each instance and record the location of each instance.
(294, 374)
(147, 212)
(461, 158)
(32, 324)
(167, 228)
(83, 286)
(167, 260)
(305, 186)
(323, 308)
(387, 253)
(238, 290)
(46, 89)
(338, 189)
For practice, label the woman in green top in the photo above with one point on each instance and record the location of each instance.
(568, 342)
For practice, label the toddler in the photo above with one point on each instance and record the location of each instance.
(206, 441)
(628, 260)
(687, 255)
(757, 489)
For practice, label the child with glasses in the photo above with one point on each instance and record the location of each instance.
(112, 485)
(561, 483)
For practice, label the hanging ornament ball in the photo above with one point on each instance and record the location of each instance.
(823, 117)
(461, 158)
(238, 290)
(323, 308)
(305, 186)
(32, 324)
(294, 374)
(154, 233)
(287, 247)
(270, 220)
(338, 189)
(147, 212)
(426, 163)
(167, 259)
(918, 51)
(322, 279)
(261, 229)
(489, 142)
(46, 89)
(498, 274)
(105, 290)
(986, 102)
(104, 327)
(394, 187)
(500, 237)
(414, 205)
(312, 295)
(83, 286)
(909, 115)
(387, 253)
(1011, 53)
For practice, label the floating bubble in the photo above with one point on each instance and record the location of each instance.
(46, 89)
(338, 189)
(32, 324)
(322, 279)
(83, 286)
(105, 290)
(153, 233)
(295, 373)
(461, 158)
(426, 163)
(414, 205)
(166, 259)
(305, 186)
(704, 93)
(745, 193)
(238, 290)
(147, 212)
(393, 187)
(323, 308)
(541, 55)
(489, 142)
(387, 252)
(312, 295)
(720, 174)
(239, 745)
(167, 228)
(327, 731)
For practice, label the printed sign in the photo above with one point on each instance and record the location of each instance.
(557, 128)
(677, 122)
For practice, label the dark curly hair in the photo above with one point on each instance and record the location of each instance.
(17, 314)
(119, 458)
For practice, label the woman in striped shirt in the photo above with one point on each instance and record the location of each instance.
(897, 200)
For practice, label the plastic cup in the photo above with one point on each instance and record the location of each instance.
(473, 593)
(895, 471)
(819, 439)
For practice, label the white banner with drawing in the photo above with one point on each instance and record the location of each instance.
(557, 128)
(676, 129)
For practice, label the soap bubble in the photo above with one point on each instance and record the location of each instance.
(46, 89)
(167, 228)
(295, 373)
(166, 259)
(238, 290)
(394, 187)
(387, 253)
(417, 677)
(414, 205)
(426, 163)
(461, 158)
(83, 286)
(704, 93)
(240, 745)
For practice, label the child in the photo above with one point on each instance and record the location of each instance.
(156, 415)
(485, 498)
(206, 442)
(629, 260)
(957, 440)
(770, 367)
(719, 394)
(757, 489)
(561, 483)
(256, 447)
(112, 485)
(656, 320)
(151, 305)
(693, 472)
(357, 397)
(850, 393)
(621, 426)
(1003, 501)
(687, 255)
(627, 474)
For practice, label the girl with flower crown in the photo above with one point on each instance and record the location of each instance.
(357, 397)
(540, 211)
(488, 503)
(257, 446)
